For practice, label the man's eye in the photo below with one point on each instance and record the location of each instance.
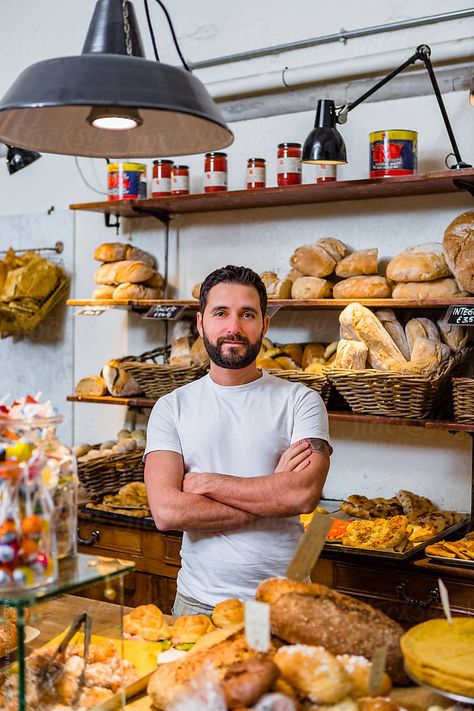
(219, 313)
(248, 314)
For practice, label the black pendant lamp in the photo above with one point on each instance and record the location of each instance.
(324, 143)
(18, 158)
(110, 101)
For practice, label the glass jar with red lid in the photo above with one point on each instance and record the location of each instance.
(180, 180)
(161, 180)
(256, 173)
(215, 172)
(289, 164)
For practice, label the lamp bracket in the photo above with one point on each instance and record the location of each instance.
(464, 184)
(115, 224)
(342, 114)
(161, 215)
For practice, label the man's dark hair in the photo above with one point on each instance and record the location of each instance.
(233, 275)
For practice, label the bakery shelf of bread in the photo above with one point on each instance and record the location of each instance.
(419, 184)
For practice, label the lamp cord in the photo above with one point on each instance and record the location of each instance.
(100, 192)
(150, 28)
(173, 34)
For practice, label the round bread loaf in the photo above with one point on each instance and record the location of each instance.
(458, 244)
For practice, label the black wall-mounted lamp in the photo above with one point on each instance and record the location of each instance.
(110, 100)
(325, 144)
(17, 158)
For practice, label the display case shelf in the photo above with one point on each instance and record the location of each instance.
(333, 416)
(445, 181)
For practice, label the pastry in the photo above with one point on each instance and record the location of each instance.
(146, 622)
(364, 261)
(187, 629)
(228, 612)
(458, 244)
(104, 291)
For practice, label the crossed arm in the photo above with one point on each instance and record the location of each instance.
(217, 502)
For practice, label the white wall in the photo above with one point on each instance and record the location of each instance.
(368, 460)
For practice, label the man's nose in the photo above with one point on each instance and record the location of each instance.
(233, 325)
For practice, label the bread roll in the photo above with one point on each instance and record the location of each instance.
(266, 363)
(91, 386)
(417, 266)
(318, 259)
(311, 287)
(245, 682)
(311, 352)
(458, 244)
(395, 330)
(314, 672)
(136, 291)
(294, 351)
(103, 292)
(123, 271)
(286, 363)
(362, 325)
(118, 251)
(316, 367)
(351, 355)
(454, 336)
(362, 287)
(228, 612)
(119, 382)
(364, 261)
(196, 290)
(180, 351)
(436, 289)
(309, 613)
(276, 288)
(189, 628)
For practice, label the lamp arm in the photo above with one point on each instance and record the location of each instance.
(422, 53)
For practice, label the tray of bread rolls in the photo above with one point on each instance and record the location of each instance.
(398, 527)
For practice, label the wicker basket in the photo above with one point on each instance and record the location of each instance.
(320, 383)
(373, 392)
(158, 380)
(23, 315)
(463, 399)
(107, 474)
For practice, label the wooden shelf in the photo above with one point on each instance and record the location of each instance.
(402, 186)
(333, 416)
(286, 303)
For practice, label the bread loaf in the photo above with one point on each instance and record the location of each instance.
(420, 328)
(180, 351)
(351, 355)
(362, 325)
(294, 351)
(105, 291)
(458, 244)
(310, 287)
(426, 356)
(311, 352)
(294, 274)
(454, 336)
(123, 271)
(136, 291)
(119, 382)
(436, 289)
(276, 288)
(156, 281)
(309, 613)
(394, 329)
(362, 287)
(118, 251)
(364, 261)
(417, 266)
(318, 259)
(91, 386)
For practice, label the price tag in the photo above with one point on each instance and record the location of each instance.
(257, 625)
(443, 591)
(92, 310)
(377, 670)
(272, 310)
(162, 312)
(462, 315)
(308, 549)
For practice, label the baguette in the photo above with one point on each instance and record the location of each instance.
(417, 266)
(364, 261)
(309, 613)
(362, 287)
(362, 325)
(123, 271)
(395, 330)
(436, 289)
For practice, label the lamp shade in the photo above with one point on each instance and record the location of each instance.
(54, 105)
(324, 144)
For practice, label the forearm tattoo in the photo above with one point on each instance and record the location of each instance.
(320, 446)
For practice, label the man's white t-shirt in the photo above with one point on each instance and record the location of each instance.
(240, 430)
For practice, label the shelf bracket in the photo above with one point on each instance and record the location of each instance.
(115, 224)
(161, 215)
(463, 184)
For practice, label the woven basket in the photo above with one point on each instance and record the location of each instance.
(320, 383)
(23, 315)
(107, 474)
(373, 392)
(463, 399)
(158, 380)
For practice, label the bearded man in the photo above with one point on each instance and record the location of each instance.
(233, 458)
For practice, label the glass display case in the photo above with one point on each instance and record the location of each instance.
(60, 650)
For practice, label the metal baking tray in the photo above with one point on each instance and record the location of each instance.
(442, 560)
(110, 516)
(390, 553)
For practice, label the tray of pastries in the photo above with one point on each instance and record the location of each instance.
(130, 501)
(459, 552)
(398, 527)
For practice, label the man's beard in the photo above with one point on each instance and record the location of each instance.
(233, 359)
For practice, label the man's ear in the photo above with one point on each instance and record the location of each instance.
(199, 323)
(266, 323)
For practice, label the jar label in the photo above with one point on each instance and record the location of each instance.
(255, 174)
(180, 182)
(325, 172)
(288, 165)
(215, 178)
(161, 185)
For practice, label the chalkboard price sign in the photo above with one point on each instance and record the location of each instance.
(461, 315)
(163, 312)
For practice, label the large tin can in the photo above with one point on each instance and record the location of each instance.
(393, 152)
(123, 180)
